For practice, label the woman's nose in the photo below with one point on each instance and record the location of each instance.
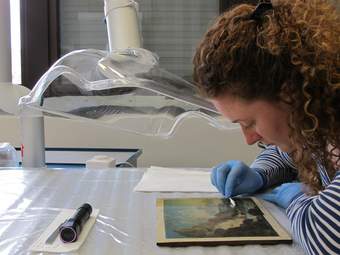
(251, 136)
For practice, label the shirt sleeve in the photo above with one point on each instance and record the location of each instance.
(315, 221)
(275, 166)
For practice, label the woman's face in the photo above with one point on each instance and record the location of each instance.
(259, 120)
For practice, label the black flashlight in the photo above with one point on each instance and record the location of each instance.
(71, 228)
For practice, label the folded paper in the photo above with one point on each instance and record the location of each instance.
(160, 179)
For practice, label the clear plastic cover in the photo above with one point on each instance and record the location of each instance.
(8, 156)
(124, 89)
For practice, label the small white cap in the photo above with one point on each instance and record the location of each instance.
(100, 162)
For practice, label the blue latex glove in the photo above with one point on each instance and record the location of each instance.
(284, 194)
(234, 177)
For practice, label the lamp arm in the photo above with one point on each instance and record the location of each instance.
(122, 21)
(123, 30)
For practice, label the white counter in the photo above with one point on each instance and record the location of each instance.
(31, 199)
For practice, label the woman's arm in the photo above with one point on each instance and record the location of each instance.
(315, 220)
(275, 166)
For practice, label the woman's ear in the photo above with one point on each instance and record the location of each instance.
(286, 94)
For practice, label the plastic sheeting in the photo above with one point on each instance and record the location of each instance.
(126, 224)
(125, 89)
(8, 156)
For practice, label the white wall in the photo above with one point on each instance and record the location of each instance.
(195, 144)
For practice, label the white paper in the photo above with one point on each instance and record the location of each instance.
(160, 179)
(40, 244)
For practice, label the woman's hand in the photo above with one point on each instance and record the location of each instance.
(284, 194)
(234, 177)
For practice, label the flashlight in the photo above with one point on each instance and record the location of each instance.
(71, 228)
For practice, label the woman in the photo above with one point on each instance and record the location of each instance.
(275, 70)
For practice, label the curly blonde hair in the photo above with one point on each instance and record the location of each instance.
(290, 54)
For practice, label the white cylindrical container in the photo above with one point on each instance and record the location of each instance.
(5, 42)
(122, 24)
(33, 138)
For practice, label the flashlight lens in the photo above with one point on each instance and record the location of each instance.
(68, 235)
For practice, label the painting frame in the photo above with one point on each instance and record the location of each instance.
(280, 236)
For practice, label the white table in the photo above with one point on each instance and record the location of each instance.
(31, 199)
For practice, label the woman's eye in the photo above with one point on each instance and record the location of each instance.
(250, 125)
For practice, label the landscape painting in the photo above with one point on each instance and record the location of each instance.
(214, 221)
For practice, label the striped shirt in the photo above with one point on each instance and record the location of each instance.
(315, 220)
